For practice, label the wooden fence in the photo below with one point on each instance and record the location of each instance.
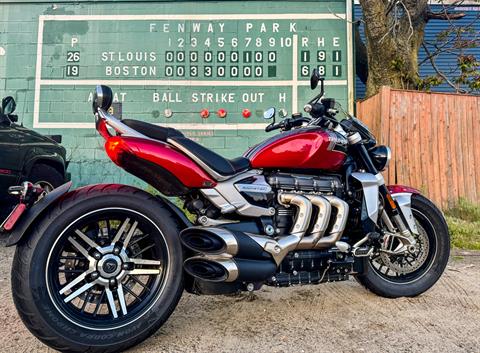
(435, 140)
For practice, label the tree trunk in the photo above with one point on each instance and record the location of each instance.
(393, 38)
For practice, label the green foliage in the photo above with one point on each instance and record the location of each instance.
(175, 200)
(151, 190)
(469, 67)
(465, 210)
(403, 72)
(428, 82)
(464, 225)
(181, 205)
(398, 64)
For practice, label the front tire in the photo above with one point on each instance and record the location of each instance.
(398, 282)
(101, 272)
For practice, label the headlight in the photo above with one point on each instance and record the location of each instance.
(381, 156)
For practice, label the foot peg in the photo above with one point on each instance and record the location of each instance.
(364, 247)
(363, 251)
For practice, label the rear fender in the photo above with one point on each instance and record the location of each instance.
(29, 217)
(32, 215)
(403, 195)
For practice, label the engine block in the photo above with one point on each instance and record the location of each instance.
(305, 183)
(312, 267)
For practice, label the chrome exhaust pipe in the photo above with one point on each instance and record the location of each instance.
(224, 250)
(224, 269)
(303, 215)
(321, 222)
(209, 240)
(279, 248)
(338, 226)
(212, 269)
(216, 241)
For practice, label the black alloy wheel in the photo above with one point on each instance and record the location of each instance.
(106, 268)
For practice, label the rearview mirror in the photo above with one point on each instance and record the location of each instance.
(8, 105)
(102, 98)
(314, 79)
(269, 114)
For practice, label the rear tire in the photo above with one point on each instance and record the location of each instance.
(431, 219)
(60, 324)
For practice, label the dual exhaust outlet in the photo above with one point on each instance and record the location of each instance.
(226, 256)
(229, 256)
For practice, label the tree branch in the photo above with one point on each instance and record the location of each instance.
(439, 72)
(447, 16)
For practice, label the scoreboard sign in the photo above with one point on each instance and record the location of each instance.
(232, 56)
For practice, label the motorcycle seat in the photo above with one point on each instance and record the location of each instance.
(214, 161)
(151, 130)
(219, 164)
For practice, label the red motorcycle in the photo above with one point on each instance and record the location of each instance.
(102, 267)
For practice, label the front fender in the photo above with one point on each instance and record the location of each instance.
(403, 195)
(397, 189)
(29, 217)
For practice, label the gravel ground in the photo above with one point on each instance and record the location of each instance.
(338, 317)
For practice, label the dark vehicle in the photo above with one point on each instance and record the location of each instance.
(27, 155)
(102, 267)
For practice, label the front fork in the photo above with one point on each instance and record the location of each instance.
(398, 209)
(396, 214)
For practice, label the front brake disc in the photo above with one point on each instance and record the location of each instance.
(409, 262)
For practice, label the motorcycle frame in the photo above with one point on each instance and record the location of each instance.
(222, 193)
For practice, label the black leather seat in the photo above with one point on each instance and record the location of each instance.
(213, 160)
(216, 162)
(150, 130)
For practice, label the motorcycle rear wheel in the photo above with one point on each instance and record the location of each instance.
(100, 272)
(394, 277)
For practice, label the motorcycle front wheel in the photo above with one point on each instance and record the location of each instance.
(100, 272)
(412, 274)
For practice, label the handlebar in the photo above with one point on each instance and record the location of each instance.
(321, 110)
(273, 126)
(288, 123)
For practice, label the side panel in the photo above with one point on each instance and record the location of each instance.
(302, 149)
(161, 155)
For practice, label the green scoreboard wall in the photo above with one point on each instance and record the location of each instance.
(169, 55)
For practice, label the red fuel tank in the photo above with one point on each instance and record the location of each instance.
(308, 148)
